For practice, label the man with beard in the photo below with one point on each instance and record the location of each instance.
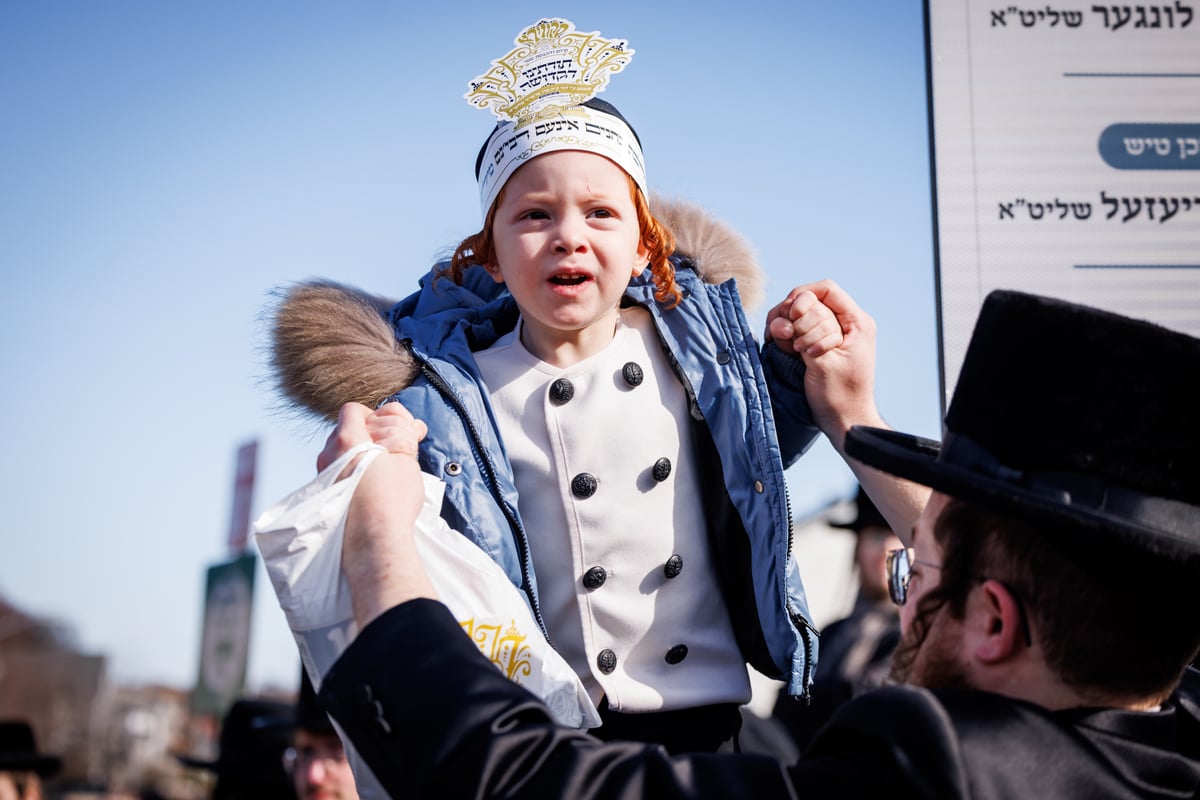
(1048, 594)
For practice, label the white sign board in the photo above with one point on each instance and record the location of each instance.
(225, 638)
(1066, 157)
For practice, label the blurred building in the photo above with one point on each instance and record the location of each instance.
(47, 681)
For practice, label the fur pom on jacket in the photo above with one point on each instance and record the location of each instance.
(331, 344)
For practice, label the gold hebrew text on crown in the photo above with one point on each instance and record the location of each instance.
(552, 67)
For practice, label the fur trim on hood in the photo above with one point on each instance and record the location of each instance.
(330, 344)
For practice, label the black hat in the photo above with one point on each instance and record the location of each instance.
(254, 736)
(868, 515)
(310, 716)
(1072, 416)
(18, 750)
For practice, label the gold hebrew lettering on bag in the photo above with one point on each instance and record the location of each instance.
(504, 647)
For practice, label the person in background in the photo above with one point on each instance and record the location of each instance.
(317, 760)
(1046, 598)
(255, 735)
(22, 767)
(856, 651)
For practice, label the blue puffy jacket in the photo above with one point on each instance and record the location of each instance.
(747, 403)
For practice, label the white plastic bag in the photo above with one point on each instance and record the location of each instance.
(300, 539)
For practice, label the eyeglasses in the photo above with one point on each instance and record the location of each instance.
(300, 759)
(899, 571)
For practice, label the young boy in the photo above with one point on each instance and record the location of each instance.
(598, 410)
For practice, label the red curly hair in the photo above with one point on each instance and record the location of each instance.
(479, 249)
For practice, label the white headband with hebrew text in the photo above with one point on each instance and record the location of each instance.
(577, 128)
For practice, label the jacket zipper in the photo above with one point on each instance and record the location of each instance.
(807, 631)
(804, 626)
(489, 466)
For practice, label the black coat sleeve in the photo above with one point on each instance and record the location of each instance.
(433, 718)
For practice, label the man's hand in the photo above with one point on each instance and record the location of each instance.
(803, 325)
(379, 557)
(821, 324)
(391, 426)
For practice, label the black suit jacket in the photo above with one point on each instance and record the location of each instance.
(433, 718)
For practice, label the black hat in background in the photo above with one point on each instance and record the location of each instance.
(867, 515)
(18, 750)
(254, 736)
(1071, 416)
(310, 716)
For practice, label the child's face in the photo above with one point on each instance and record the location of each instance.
(567, 241)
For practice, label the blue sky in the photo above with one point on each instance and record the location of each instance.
(164, 165)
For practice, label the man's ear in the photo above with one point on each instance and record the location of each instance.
(1001, 632)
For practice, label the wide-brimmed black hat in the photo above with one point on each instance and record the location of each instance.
(254, 736)
(18, 750)
(1072, 416)
(866, 515)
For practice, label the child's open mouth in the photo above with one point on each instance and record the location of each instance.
(568, 280)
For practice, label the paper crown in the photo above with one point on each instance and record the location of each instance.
(537, 91)
(552, 67)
